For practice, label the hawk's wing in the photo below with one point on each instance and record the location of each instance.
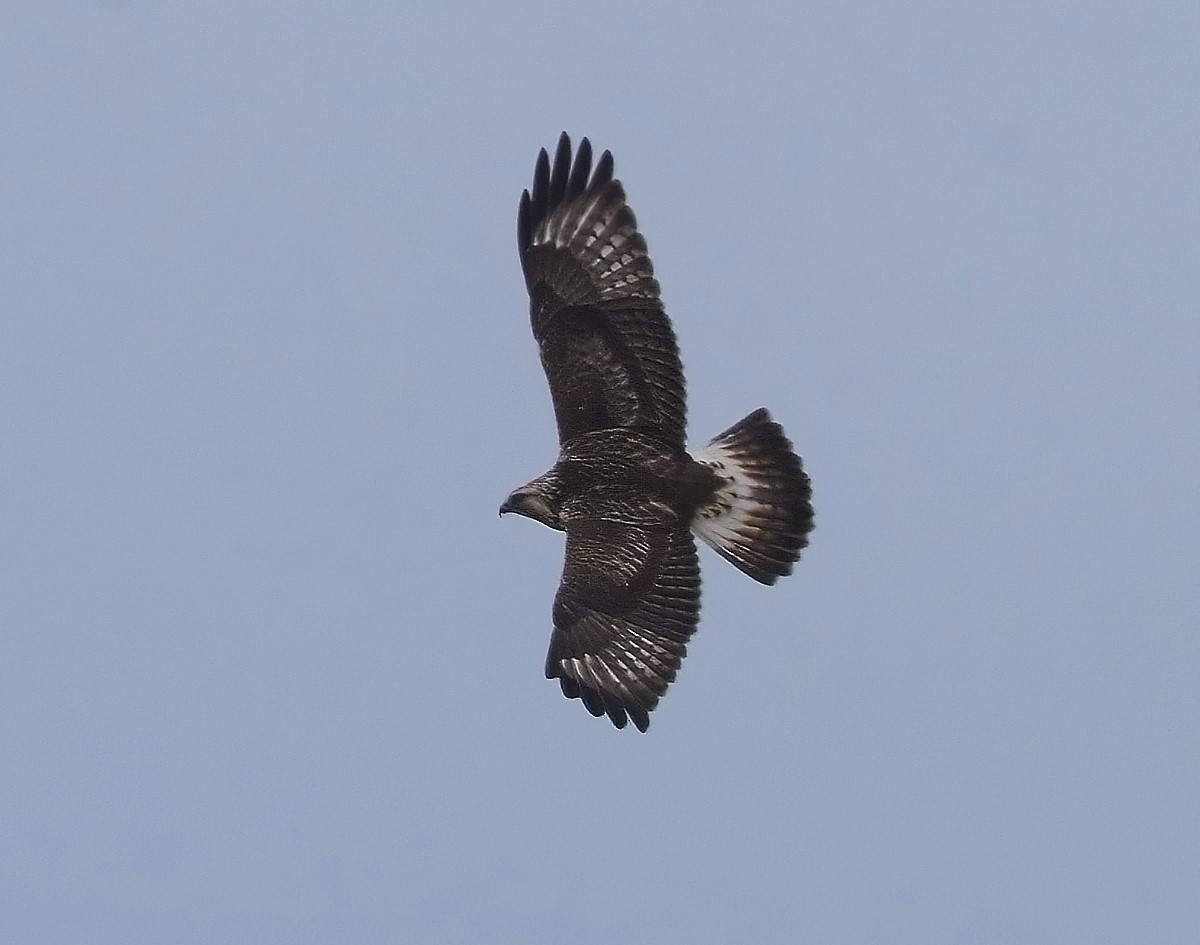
(606, 341)
(628, 602)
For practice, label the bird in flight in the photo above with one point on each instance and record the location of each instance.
(624, 489)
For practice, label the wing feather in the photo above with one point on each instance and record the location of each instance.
(628, 603)
(606, 342)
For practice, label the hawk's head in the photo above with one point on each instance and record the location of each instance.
(538, 500)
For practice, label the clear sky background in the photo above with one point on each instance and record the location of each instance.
(271, 666)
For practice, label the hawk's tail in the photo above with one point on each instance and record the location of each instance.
(760, 515)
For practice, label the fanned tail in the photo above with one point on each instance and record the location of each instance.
(760, 516)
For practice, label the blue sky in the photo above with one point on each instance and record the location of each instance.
(270, 665)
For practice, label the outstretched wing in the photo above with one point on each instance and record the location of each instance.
(606, 342)
(628, 602)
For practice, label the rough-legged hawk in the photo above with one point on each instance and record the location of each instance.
(624, 489)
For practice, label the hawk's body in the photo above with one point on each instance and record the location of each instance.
(624, 488)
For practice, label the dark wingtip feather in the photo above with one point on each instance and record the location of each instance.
(561, 171)
(558, 180)
(604, 170)
(580, 169)
(600, 704)
(524, 223)
(541, 188)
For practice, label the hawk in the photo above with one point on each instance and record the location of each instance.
(624, 489)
